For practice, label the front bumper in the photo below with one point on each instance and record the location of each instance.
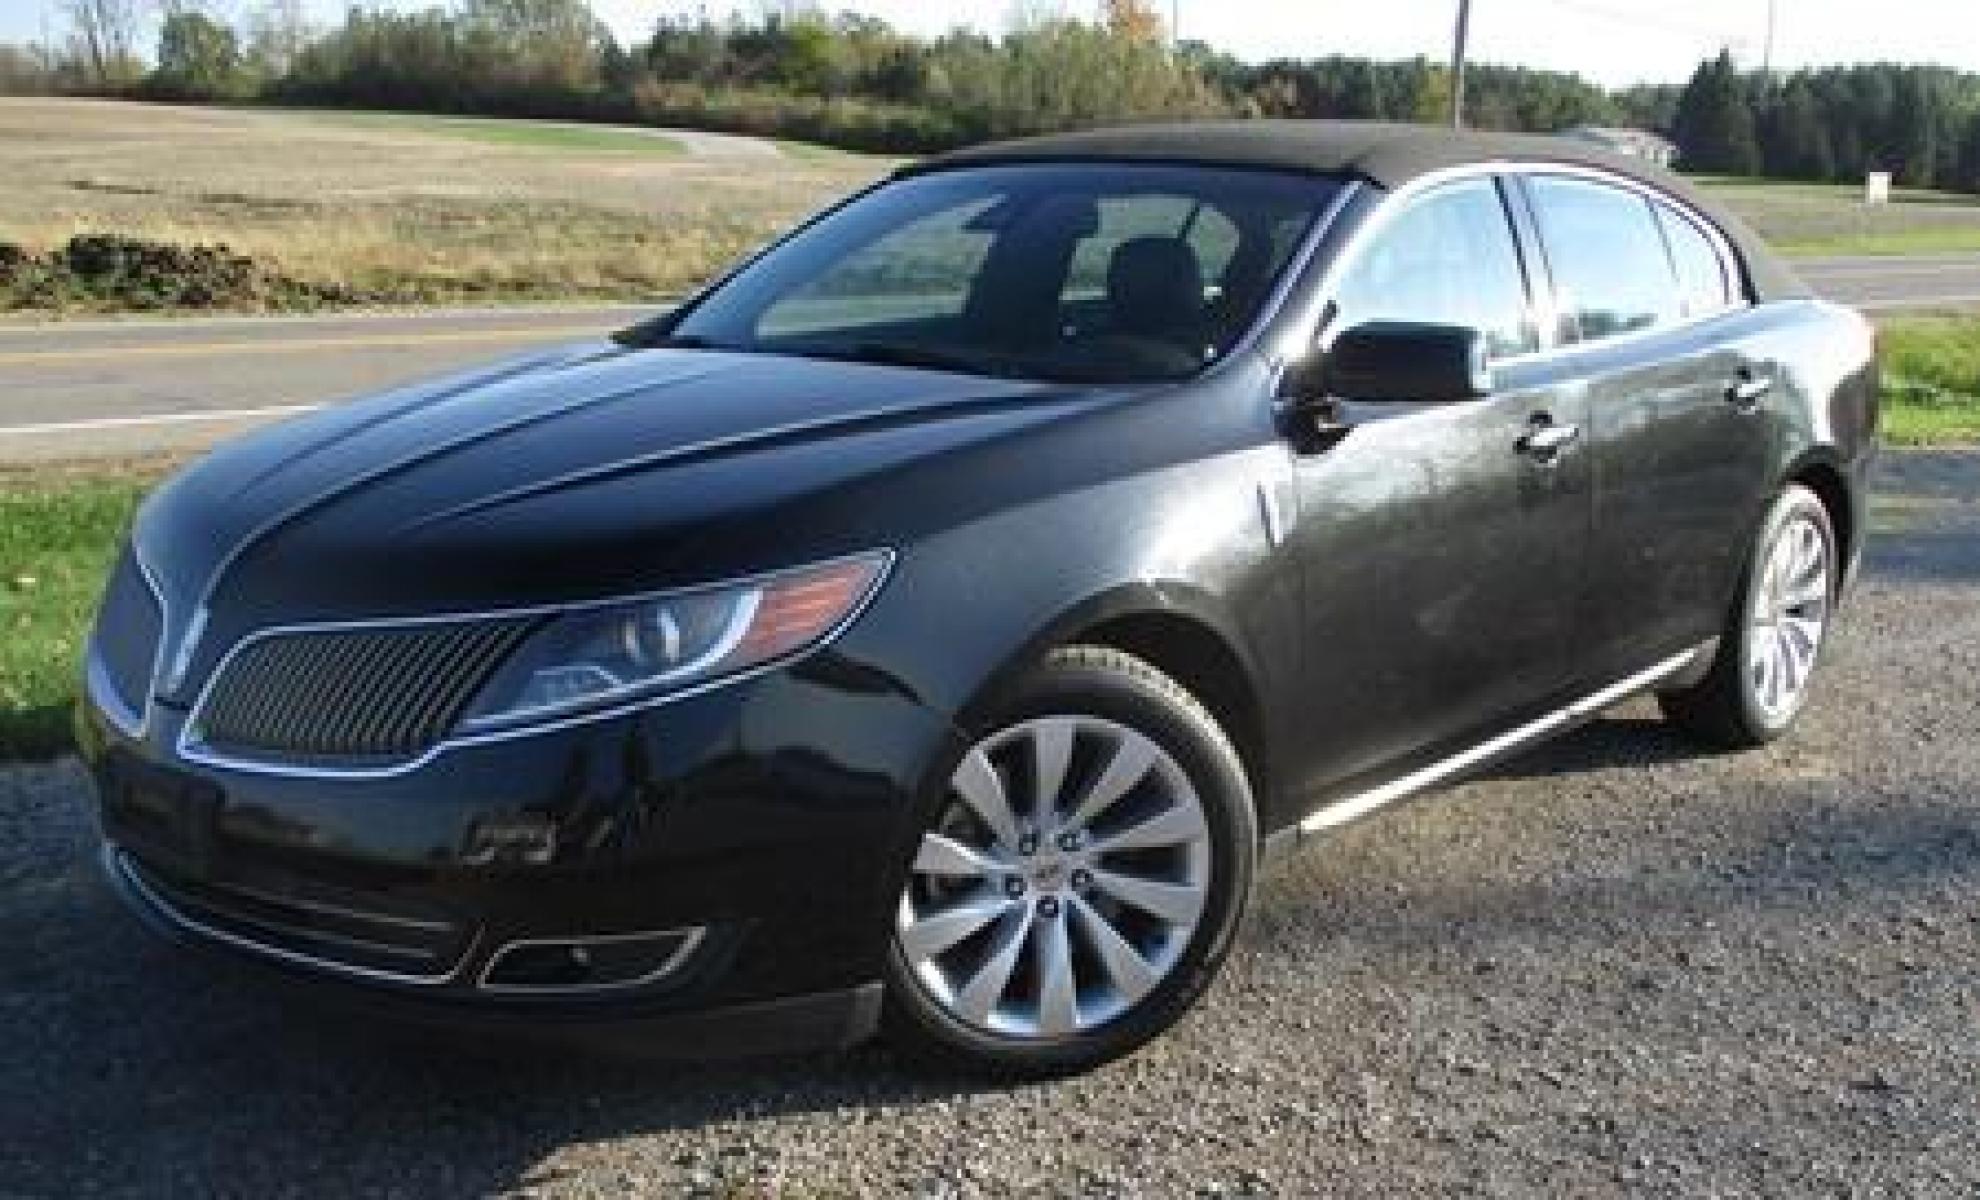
(835, 1019)
(766, 823)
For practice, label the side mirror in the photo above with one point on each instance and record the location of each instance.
(1407, 363)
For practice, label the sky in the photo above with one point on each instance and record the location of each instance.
(1614, 42)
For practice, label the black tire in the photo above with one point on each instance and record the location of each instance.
(1117, 687)
(1724, 711)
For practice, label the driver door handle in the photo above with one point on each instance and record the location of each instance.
(1748, 390)
(1544, 443)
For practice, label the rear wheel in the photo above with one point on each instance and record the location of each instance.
(1081, 878)
(1767, 655)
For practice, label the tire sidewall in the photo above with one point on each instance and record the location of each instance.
(1149, 703)
(1793, 502)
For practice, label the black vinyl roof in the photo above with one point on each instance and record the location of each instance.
(1389, 155)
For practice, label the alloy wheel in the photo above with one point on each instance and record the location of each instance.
(1788, 618)
(1061, 881)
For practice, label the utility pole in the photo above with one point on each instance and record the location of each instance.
(1457, 63)
(1767, 60)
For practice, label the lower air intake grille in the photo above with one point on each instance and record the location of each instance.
(371, 694)
(325, 929)
(127, 631)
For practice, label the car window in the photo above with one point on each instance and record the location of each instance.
(1702, 283)
(924, 269)
(1449, 259)
(1611, 272)
(1075, 272)
(1209, 234)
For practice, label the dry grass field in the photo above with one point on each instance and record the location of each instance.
(423, 209)
(420, 209)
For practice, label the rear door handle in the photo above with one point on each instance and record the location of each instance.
(1748, 391)
(1543, 443)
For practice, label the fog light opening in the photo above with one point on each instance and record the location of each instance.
(566, 966)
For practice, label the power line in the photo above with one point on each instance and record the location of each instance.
(1768, 61)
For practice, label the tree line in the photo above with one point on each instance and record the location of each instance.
(1922, 124)
(855, 82)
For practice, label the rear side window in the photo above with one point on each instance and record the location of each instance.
(1701, 271)
(1449, 259)
(1612, 274)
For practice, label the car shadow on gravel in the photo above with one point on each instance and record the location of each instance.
(1600, 745)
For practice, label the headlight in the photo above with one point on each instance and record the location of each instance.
(664, 643)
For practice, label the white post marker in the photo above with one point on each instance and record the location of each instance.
(1877, 188)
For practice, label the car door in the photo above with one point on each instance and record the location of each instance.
(1679, 430)
(1441, 555)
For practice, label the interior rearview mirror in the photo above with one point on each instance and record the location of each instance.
(1409, 363)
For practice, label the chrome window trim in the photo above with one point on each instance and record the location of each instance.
(191, 749)
(126, 872)
(1400, 204)
(1284, 291)
(1306, 329)
(1730, 277)
(691, 936)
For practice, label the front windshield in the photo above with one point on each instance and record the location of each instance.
(1090, 272)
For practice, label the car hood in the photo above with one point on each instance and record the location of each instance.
(590, 470)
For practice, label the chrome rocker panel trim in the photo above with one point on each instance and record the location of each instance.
(1343, 811)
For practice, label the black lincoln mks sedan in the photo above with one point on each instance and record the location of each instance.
(932, 622)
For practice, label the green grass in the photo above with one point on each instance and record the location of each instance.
(57, 540)
(1931, 380)
(1812, 220)
(497, 131)
(1892, 242)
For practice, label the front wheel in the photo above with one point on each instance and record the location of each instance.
(1081, 878)
(1759, 683)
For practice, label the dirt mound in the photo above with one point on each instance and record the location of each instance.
(108, 271)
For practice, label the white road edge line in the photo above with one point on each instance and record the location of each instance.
(188, 418)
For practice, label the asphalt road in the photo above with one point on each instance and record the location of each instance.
(118, 388)
(1889, 283)
(1610, 967)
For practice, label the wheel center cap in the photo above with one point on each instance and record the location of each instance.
(1051, 875)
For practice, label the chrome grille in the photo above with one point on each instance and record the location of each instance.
(128, 627)
(359, 694)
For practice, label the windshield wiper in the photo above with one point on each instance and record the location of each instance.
(671, 341)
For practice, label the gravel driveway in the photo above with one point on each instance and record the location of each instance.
(1608, 967)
